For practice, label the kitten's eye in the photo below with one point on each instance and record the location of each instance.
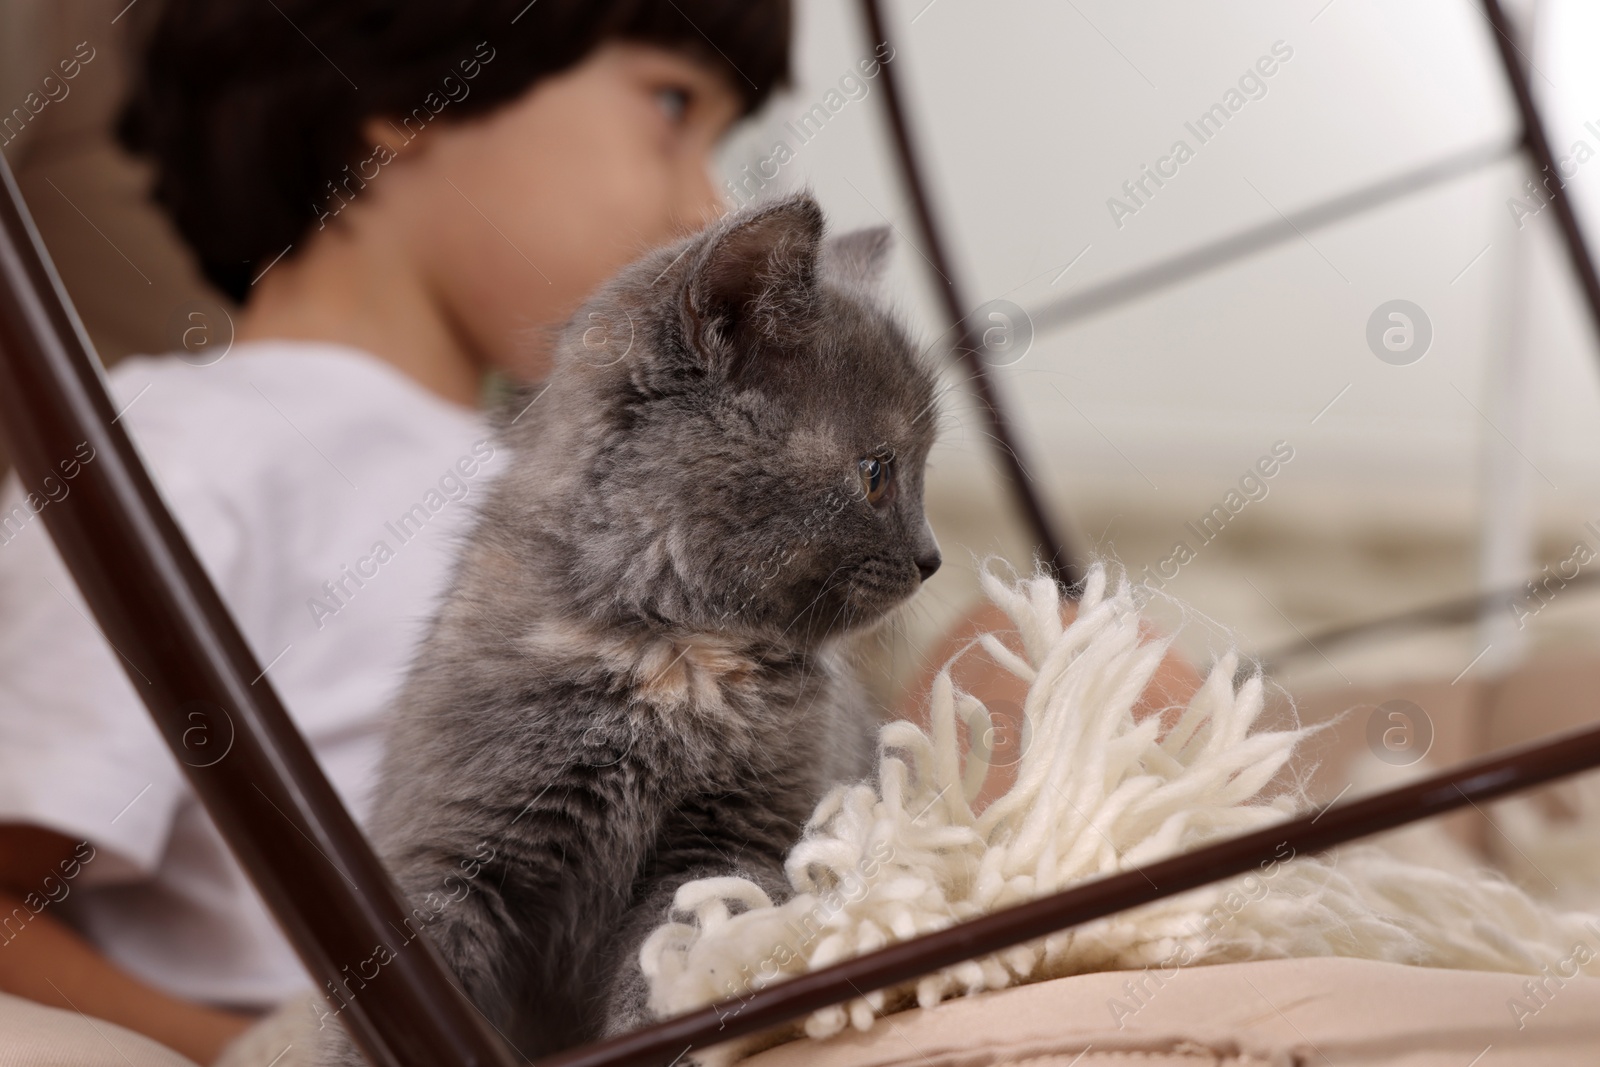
(877, 477)
(674, 101)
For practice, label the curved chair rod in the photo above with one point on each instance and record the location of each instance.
(184, 655)
(1537, 143)
(1114, 292)
(1531, 139)
(1456, 612)
(1063, 562)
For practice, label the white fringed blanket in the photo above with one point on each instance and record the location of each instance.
(1097, 791)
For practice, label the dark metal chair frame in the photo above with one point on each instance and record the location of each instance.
(259, 782)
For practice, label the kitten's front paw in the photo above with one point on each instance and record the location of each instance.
(627, 1009)
(333, 1048)
(627, 1004)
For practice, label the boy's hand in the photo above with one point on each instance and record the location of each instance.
(47, 961)
(1003, 692)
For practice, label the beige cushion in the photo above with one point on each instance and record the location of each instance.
(1304, 1011)
(32, 1035)
(1279, 1012)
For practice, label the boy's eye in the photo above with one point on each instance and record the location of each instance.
(674, 101)
(877, 476)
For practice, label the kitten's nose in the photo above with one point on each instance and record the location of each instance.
(926, 547)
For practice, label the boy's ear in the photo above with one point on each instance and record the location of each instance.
(752, 294)
(859, 257)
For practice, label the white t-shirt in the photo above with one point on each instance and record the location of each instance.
(324, 493)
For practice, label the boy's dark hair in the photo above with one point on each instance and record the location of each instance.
(250, 111)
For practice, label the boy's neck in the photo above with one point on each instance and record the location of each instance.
(355, 292)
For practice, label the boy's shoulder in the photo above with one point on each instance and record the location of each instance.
(269, 382)
(283, 416)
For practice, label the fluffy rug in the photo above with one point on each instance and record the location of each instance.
(1098, 790)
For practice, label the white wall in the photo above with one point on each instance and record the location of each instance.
(1031, 114)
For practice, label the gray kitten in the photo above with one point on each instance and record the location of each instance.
(640, 675)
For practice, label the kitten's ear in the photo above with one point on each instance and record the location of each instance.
(859, 257)
(752, 290)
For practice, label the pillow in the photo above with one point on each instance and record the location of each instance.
(1296, 1011)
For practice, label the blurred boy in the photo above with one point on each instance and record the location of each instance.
(404, 197)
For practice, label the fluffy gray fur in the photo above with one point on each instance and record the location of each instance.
(640, 675)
